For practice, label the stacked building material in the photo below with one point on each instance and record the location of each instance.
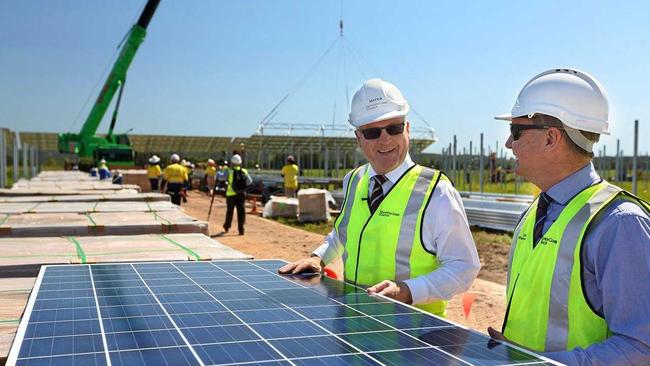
(130, 197)
(14, 208)
(313, 205)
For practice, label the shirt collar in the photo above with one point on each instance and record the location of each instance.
(570, 186)
(396, 173)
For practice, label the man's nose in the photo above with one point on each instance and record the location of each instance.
(509, 142)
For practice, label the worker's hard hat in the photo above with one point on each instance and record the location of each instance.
(236, 159)
(377, 100)
(103, 161)
(290, 158)
(210, 162)
(574, 97)
(174, 158)
(154, 159)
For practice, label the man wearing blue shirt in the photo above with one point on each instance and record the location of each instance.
(578, 278)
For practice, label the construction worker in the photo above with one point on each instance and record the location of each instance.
(175, 176)
(104, 172)
(290, 174)
(402, 229)
(238, 180)
(578, 287)
(154, 172)
(210, 174)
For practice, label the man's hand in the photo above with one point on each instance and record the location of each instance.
(306, 265)
(398, 291)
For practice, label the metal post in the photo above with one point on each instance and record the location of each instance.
(480, 165)
(634, 157)
(471, 173)
(604, 164)
(25, 171)
(617, 164)
(454, 162)
(32, 160)
(16, 157)
(3, 160)
(337, 156)
(326, 162)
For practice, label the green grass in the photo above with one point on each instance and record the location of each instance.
(322, 228)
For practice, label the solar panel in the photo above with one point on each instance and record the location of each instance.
(232, 312)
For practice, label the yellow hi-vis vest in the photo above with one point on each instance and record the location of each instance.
(229, 191)
(154, 171)
(175, 173)
(547, 309)
(387, 245)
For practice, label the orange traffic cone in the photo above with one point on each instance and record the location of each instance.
(254, 209)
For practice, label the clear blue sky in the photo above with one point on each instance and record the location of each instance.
(215, 68)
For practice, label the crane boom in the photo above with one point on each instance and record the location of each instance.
(115, 148)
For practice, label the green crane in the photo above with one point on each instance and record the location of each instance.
(115, 148)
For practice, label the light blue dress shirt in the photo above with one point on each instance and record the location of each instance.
(616, 275)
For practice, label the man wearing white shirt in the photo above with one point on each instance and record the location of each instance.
(402, 230)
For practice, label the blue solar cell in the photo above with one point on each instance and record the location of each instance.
(58, 286)
(312, 346)
(169, 282)
(488, 353)
(417, 357)
(267, 316)
(65, 328)
(359, 298)
(382, 341)
(156, 356)
(40, 347)
(447, 336)
(345, 360)
(63, 314)
(300, 328)
(205, 319)
(184, 297)
(244, 294)
(253, 304)
(86, 359)
(131, 310)
(383, 308)
(194, 307)
(210, 286)
(236, 352)
(219, 334)
(125, 300)
(62, 294)
(327, 311)
(137, 323)
(417, 320)
(81, 302)
(122, 291)
(143, 339)
(352, 325)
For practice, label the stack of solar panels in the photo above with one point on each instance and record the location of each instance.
(235, 312)
(493, 214)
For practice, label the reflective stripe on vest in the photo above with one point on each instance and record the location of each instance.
(547, 310)
(387, 244)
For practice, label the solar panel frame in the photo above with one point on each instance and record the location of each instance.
(230, 329)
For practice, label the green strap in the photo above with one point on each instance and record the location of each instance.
(33, 207)
(95, 207)
(4, 219)
(188, 250)
(158, 217)
(80, 252)
(148, 206)
(10, 321)
(90, 219)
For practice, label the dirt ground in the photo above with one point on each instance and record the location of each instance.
(267, 239)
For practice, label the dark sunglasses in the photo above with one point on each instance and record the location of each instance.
(516, 130)
(374, 132)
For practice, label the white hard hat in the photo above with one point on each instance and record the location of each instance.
(377, 100)
(236, 159)
(574, 97)
(174, 158)
(154, 159)
(103, 161)
(210, 161)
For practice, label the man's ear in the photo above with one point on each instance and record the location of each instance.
(554, 138)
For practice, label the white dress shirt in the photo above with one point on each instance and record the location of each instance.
(444, 231)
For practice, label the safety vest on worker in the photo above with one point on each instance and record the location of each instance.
(377, 244)
(229, 191)
(175, 173)
(154, 171)
(547, 309)
(210, 171)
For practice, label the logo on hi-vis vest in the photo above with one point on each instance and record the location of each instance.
(387, 213)
(522, 236)
(544, 240)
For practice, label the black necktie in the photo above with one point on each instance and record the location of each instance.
(377, 193)
(540, 216)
